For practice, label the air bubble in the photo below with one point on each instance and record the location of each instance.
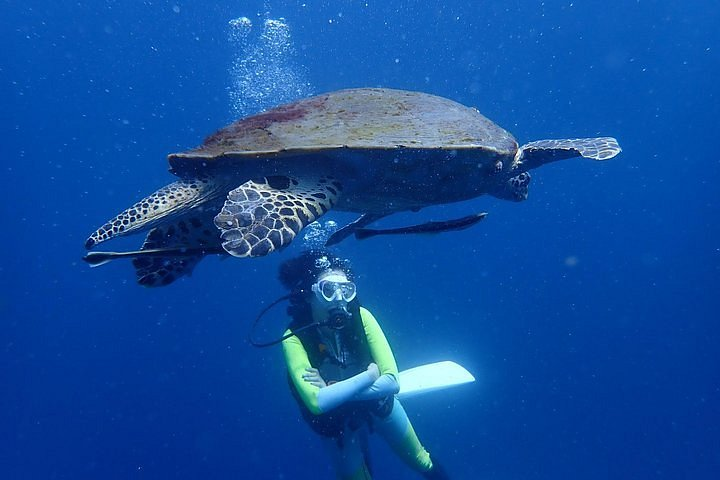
(239, 25)
(263, 73)
(316, 234)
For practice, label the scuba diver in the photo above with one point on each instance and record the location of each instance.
(341, 369)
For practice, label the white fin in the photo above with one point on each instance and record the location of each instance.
(432, 377)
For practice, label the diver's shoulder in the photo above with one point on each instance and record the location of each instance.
(367, 315)
(290, 339)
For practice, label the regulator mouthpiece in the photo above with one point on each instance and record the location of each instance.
(339, 317)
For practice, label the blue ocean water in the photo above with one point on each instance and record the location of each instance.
(589, 312)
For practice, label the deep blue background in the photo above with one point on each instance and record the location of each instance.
(589, 312)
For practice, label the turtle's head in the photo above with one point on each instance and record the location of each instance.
(514, 189)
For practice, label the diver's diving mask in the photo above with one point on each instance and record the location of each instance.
(333, 288)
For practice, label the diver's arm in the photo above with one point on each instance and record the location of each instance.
(384, 386)
(297, 363)
(321, 400)
(387, 383)
(338, 393)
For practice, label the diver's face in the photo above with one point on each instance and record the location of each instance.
(332, 291)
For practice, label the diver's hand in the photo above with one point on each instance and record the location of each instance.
(312, 376)
(374, 371)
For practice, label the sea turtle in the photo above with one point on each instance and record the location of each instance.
(252, 186)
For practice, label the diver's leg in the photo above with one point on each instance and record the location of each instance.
(397, 430)
(347, 456)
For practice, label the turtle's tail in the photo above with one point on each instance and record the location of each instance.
(168, 202)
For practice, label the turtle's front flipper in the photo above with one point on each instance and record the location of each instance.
(535, 154)
(264, 215)
(350, 228)
(161, 206)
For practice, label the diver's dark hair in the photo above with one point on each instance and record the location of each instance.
(299, 273)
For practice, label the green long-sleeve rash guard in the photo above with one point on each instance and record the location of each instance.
(297, 361)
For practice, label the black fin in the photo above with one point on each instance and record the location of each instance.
(429, 227)
(352, 227)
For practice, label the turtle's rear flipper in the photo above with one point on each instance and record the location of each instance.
(351, 228)
(535, 154)
(261, 216)
(169, 251)
(173, 250)
(429, 227)
(159, 271)
(162, 206)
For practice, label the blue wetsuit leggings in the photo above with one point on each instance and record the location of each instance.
(396, 429)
